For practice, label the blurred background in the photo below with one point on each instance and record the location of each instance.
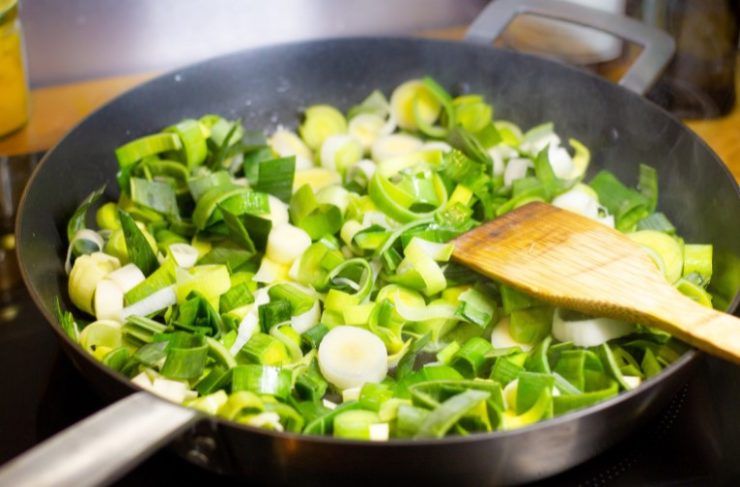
(74, 40)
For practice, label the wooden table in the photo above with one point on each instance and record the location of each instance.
(57, 109)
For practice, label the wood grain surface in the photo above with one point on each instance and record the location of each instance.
(572, 261)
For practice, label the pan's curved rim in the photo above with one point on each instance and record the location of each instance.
(688, 358)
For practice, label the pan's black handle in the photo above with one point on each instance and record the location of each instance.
(99, 449)
(658, 46)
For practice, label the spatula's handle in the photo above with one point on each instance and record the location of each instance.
(707, 329)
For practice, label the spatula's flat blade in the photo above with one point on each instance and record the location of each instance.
(563, 258)
(577, 263)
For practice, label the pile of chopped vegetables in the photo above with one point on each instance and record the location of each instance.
(301, 282)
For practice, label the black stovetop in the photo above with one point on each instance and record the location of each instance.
(694, 441)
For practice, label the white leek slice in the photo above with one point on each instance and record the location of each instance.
(412, 99)
(87, 271)
(211, 403)
(351, 394)
(539, 137)
(247, 327)
(580, 199)
(185, 255)
(367, 127)
(305, 321)
(286, 143)
(86, 235)
(395, 145)
(108, 300)
(499, 154)
(424, 313)
(328, 404)
(127, 277)
(172, 390)
(270, 272)
(583, 200)
(278, 211)
(501, 337)
(350, 357)
(250, 323)
(580, 160)
(156, 301)
(437, 145)
(632, 381)
(560, 161)
(316, 177)
(393, 165)
(379, 432)
(267, 419)
(339, 152)
(285, 243)
(142, 380)
(516, 169)
(590, 332)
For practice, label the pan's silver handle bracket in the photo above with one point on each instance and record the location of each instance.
(101, 448)
(657, 46)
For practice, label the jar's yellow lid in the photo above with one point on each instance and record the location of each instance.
(8, 11)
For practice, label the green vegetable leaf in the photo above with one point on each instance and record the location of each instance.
(77, 222)
(237, 231)
(139, 250)
(275, 177)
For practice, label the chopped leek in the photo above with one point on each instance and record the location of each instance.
(321, 122)
(236, 276)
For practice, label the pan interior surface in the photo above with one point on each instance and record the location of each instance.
(267, 87)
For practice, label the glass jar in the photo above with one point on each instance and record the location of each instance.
(13, 83)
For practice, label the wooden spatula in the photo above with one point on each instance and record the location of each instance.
(575, 262)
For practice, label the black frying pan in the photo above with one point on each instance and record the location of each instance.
(265, 87)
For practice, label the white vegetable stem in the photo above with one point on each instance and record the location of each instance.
(395, 145)
(350, 357)
(127, 277)
(151, 304)
(185, 255)
(278, 211)
(367, 127)
(501, 337)
(305, 321)
(286, 143)
(285, 243)
(87, 271)
(249, 324)
(516, 169)
(589, 332)
(108, 300)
